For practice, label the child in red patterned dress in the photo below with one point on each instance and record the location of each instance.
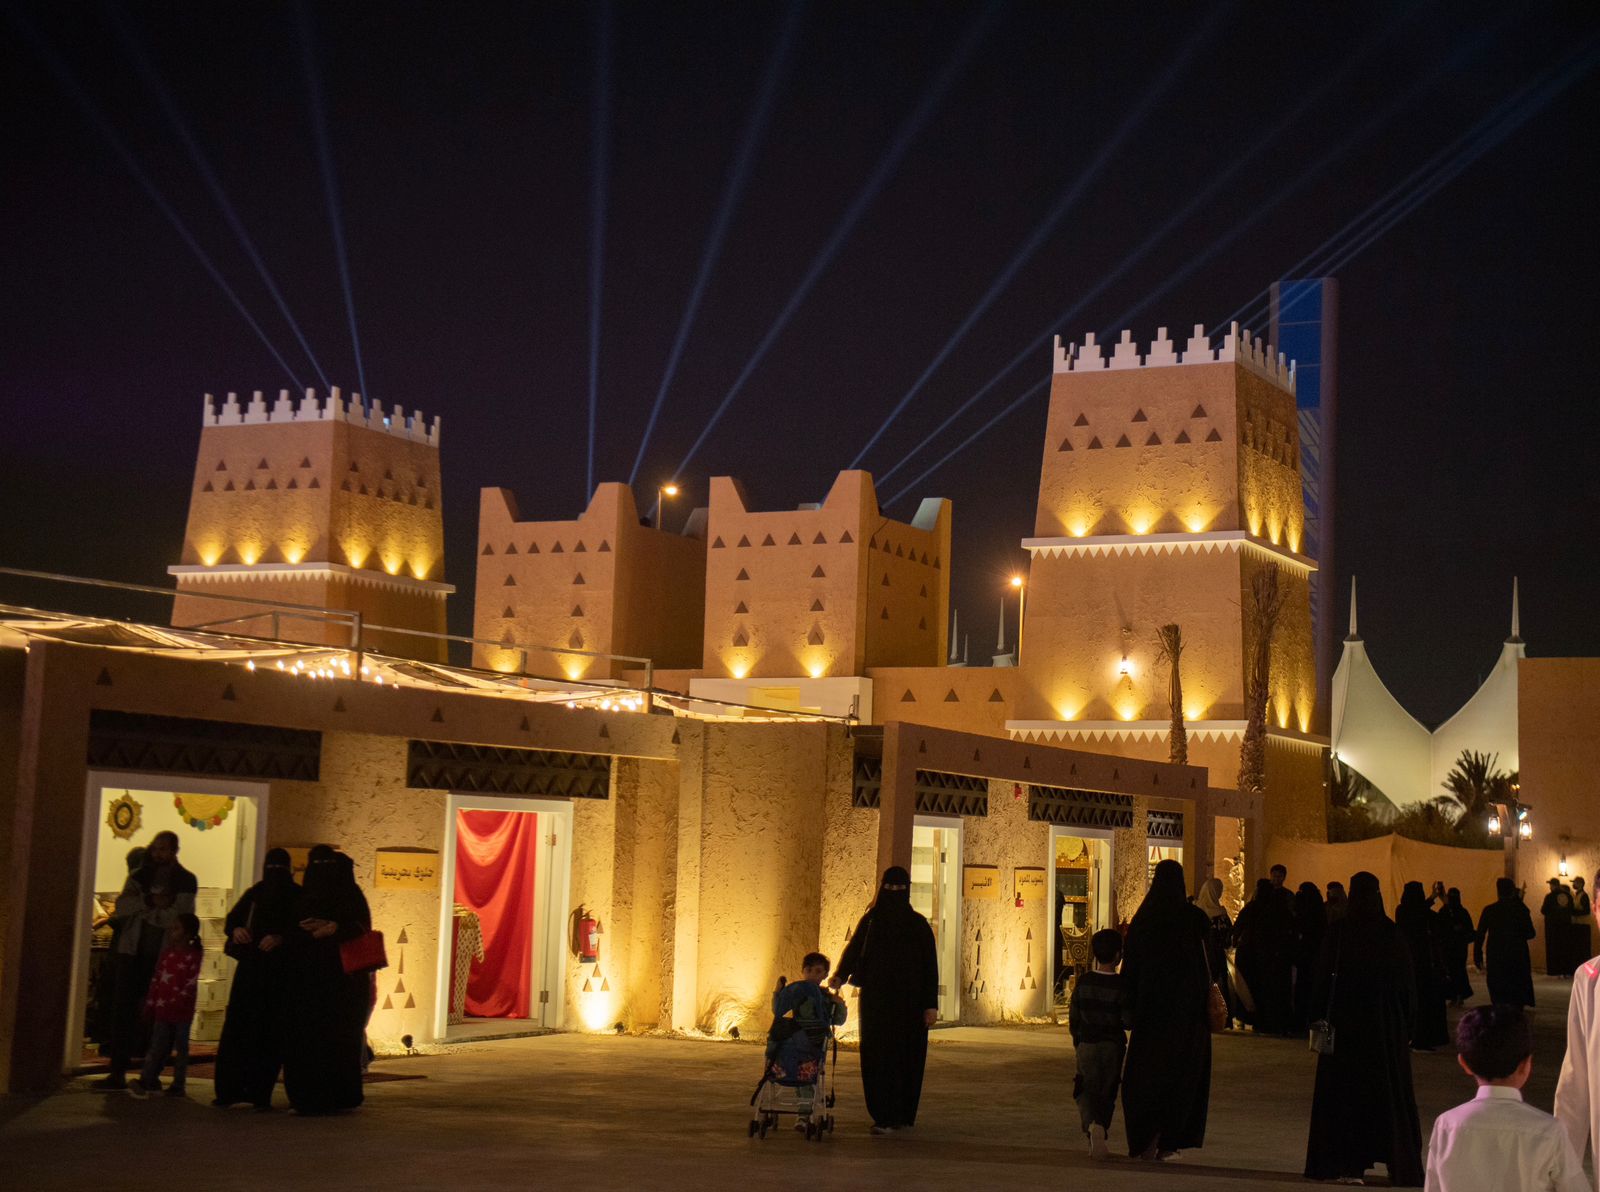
(170, 1008)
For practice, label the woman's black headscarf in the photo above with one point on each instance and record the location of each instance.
(277, 868)
(1412, 894)
(1366, 896)
(1452, 897)
(1264, 891)
(894, 892)
(1168, 893)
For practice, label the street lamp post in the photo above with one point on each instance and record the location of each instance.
(1512, 821)
(663, 491)
(1022, 608)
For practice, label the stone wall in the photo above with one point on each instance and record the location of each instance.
(361, 804)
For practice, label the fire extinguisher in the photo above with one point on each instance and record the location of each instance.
(586, 936)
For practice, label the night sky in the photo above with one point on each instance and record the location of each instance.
(462, 139)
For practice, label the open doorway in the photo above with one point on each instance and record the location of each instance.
(502, 916)
(1080, 876)
(936, 895)
(221, 831)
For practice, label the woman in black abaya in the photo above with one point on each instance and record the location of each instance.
(251, 1049)
(1419, 927)
(1501, 946)
(1364, 1111)
(1166, 1080)
(1455, 925)
(328, 1007)
(1264, 939)
(891, 958)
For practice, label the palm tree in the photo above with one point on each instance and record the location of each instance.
(1170, 641)
(1472, 785)
(1266, 604)
(1347, 786)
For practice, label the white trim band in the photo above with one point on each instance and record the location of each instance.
(380, 579)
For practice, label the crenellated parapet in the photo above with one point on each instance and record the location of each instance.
(1237, 346)
(334, 408)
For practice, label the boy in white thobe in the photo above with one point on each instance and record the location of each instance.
(1496, 1141)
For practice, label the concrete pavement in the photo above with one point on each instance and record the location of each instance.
(604, 1112)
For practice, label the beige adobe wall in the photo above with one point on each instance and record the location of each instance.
(600, 582)
(813, 595)
(1085, 610)
(661, 594)
(641, 933)
(1270, 494)
(908, 590)
(974, 708)
(594, 888)
(849, 850)
(1292, 685)
(1296, 803)
(361, 804)
(377, 602)
(1140, 488)
(764, 800)
(1558, 707)
(272, 514)
(1014, 971)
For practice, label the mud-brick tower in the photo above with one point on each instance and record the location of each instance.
(1170, 478)
(330, 504)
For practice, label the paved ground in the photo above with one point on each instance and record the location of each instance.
(600, 1112)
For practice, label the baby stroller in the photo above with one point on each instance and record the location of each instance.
(796, 1078)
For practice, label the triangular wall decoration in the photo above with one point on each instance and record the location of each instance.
(438, 716)
(227, 692)
(411, 1002)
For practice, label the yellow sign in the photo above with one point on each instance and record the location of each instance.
(407, 869)
(1030, 883)
(981, 882)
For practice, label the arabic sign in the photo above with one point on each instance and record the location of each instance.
(407, 869)
(980, 882)
(1030, 883)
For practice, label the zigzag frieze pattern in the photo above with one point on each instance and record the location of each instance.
(939, 793)
(214, 748)
(1081, 809)
(502, 770)
(1165, 825)
(867, 786)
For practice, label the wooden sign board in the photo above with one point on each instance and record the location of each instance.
(1030, 884)
(407, 869)
(980, 882)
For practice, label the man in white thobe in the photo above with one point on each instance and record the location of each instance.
(1577, 1108)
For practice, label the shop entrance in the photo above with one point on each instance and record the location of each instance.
(221, 830)
(936, 895)
(501, 964)
(1080, 874)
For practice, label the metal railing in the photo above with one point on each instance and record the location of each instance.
(360, 630)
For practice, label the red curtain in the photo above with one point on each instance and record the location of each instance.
(495, 854)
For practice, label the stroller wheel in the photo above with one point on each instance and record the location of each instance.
(828, 1123)
(754, 1126)
(763, 1128)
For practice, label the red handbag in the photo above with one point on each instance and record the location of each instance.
(363, 953)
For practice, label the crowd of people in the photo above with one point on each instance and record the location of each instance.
(1366, 989)
(295, 1006)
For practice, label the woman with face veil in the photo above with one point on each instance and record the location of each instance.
(328, 1012)
(251, 1049)
(892, 959)
(1364, 1111)
(1166, 1080)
